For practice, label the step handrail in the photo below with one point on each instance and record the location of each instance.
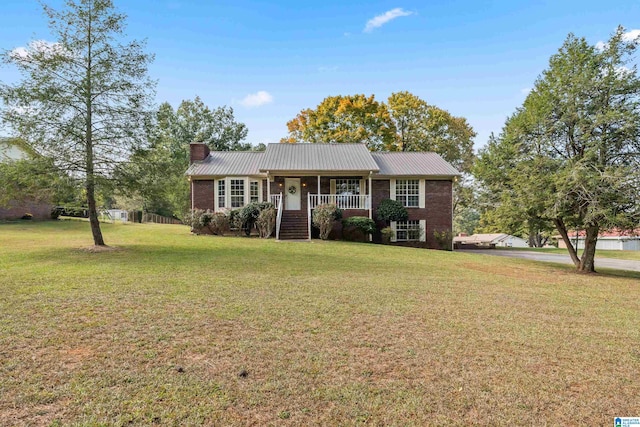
(279, 217)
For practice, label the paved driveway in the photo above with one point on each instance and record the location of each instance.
(618, 264)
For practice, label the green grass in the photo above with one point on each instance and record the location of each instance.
(176, 329)
(600, 253)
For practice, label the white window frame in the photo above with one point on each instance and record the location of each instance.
(393, 187)
(403, 226)
(257, 196)
(221, 197)
(226, 187)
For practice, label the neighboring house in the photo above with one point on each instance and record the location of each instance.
(608, 240)
(116, 215)
(489, 241)
(12, 149)
(298, 177)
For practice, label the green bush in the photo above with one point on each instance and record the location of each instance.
(219, 223)
(266, 221)
(250, 213)
(444, 239)
(324, 216)
(361, 223)
(235, 221)
(391, 210)
(387, 235)
(56, 212)
(198, 219)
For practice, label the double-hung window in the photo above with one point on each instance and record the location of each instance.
(254, 191)
(408, 192)
(237, 193)
(407, 231)
(221, 194)
(347, 186)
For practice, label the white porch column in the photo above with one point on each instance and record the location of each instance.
(268, 189)
(370, 203)
(370, 198)
(318, 189)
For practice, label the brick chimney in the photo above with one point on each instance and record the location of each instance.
(198, 151)
(463, 235)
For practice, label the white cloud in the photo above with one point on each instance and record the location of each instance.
(380, 20)
(257, 99)
(629, 36)
(46, 48)
(525, 90)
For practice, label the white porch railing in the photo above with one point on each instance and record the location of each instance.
(276, 199)
(343, 201)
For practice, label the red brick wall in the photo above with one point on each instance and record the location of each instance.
(203, 194)
(437, 210)
(39, 210)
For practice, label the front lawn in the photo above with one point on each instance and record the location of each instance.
(175, 329)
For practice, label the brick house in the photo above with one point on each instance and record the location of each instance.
(12, 149)
(298, 177)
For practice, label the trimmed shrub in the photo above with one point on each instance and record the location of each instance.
(391, 210)
(266, 222)
(198, 219)
(250, 213)
(387, 234)
(324, 216)
(235, 221)
(360, 223)
(219, 224)
(444, 239)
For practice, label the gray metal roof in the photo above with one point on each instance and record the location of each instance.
(413, 164)
(227, 163)
(317, 157)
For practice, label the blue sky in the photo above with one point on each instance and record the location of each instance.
(269, 60)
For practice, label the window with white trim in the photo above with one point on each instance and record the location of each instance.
(347, 186)
(408, 231)
(254, 192)
(408, 192)
(221, 194)
(237, 193)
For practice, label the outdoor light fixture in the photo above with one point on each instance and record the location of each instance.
(304, 184)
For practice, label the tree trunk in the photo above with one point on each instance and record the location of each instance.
(591, 238)
(562, 229)
(93, 213)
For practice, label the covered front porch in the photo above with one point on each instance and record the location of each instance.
(295, 197)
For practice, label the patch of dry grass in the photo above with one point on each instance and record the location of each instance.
(174, 329)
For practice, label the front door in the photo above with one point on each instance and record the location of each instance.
(292, 194)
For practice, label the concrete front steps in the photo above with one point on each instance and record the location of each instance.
(294, 225)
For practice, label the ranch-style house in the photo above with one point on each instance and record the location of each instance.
(298, 177)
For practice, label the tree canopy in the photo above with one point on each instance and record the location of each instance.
(83, 99)
(155, 174)
(404, 123)
(570, 155)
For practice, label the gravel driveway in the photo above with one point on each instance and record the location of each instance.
(618, 264)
